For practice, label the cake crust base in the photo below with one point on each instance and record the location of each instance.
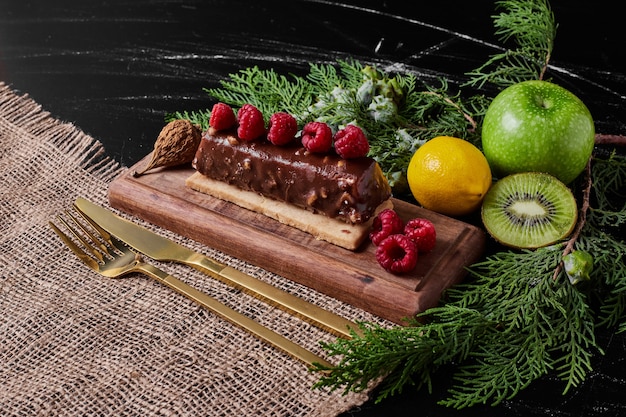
(337, 232)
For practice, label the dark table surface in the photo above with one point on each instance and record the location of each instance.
(116, 68)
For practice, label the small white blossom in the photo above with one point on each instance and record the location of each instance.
(382, 109)
(365, 92)
(406, 142)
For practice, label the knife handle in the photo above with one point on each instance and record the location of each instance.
(234, 317)
(303, 309)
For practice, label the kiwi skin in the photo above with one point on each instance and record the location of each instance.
(529, 210)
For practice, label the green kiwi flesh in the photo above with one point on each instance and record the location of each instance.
(529, 210)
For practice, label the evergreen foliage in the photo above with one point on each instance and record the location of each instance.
(517, 317)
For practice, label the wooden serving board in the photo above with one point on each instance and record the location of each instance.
(355, 277)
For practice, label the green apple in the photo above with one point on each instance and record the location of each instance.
(538, 126)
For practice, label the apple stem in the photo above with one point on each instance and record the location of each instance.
(602, 139)
(569, 247)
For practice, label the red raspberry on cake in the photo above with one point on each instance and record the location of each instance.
(282, 128)
(397, 254)
(222, 117)
(422, 232)
(386, 223)
(251, 123)
(317, 137)
(351, 142)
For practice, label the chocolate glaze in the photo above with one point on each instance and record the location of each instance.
(346, 189)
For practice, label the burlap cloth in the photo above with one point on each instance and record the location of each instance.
(73, 343)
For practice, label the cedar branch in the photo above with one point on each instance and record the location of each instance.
(467, 117)
(603, 139)
(569, 247)
(600, 139)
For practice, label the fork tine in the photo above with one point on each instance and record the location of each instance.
(106, 236)
(96, 251)
(88, 260)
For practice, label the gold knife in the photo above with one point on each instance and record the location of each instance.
(162, 249)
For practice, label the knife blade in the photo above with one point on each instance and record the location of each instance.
(161, 248)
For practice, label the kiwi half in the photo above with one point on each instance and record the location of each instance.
(529, 210)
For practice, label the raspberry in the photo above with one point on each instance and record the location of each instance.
(317, 137)
(251, 123)
(422, 232)
(351, 142)
(222, 117)
(282, 128)
(386, 223)
(397, 254)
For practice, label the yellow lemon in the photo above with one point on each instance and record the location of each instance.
(449, 175)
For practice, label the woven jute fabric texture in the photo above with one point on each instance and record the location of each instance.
(73, 343)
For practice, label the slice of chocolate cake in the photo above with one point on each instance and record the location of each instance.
(346, 193)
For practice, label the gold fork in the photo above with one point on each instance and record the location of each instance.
(111, 258)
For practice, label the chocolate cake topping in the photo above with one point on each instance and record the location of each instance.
(346, 189)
